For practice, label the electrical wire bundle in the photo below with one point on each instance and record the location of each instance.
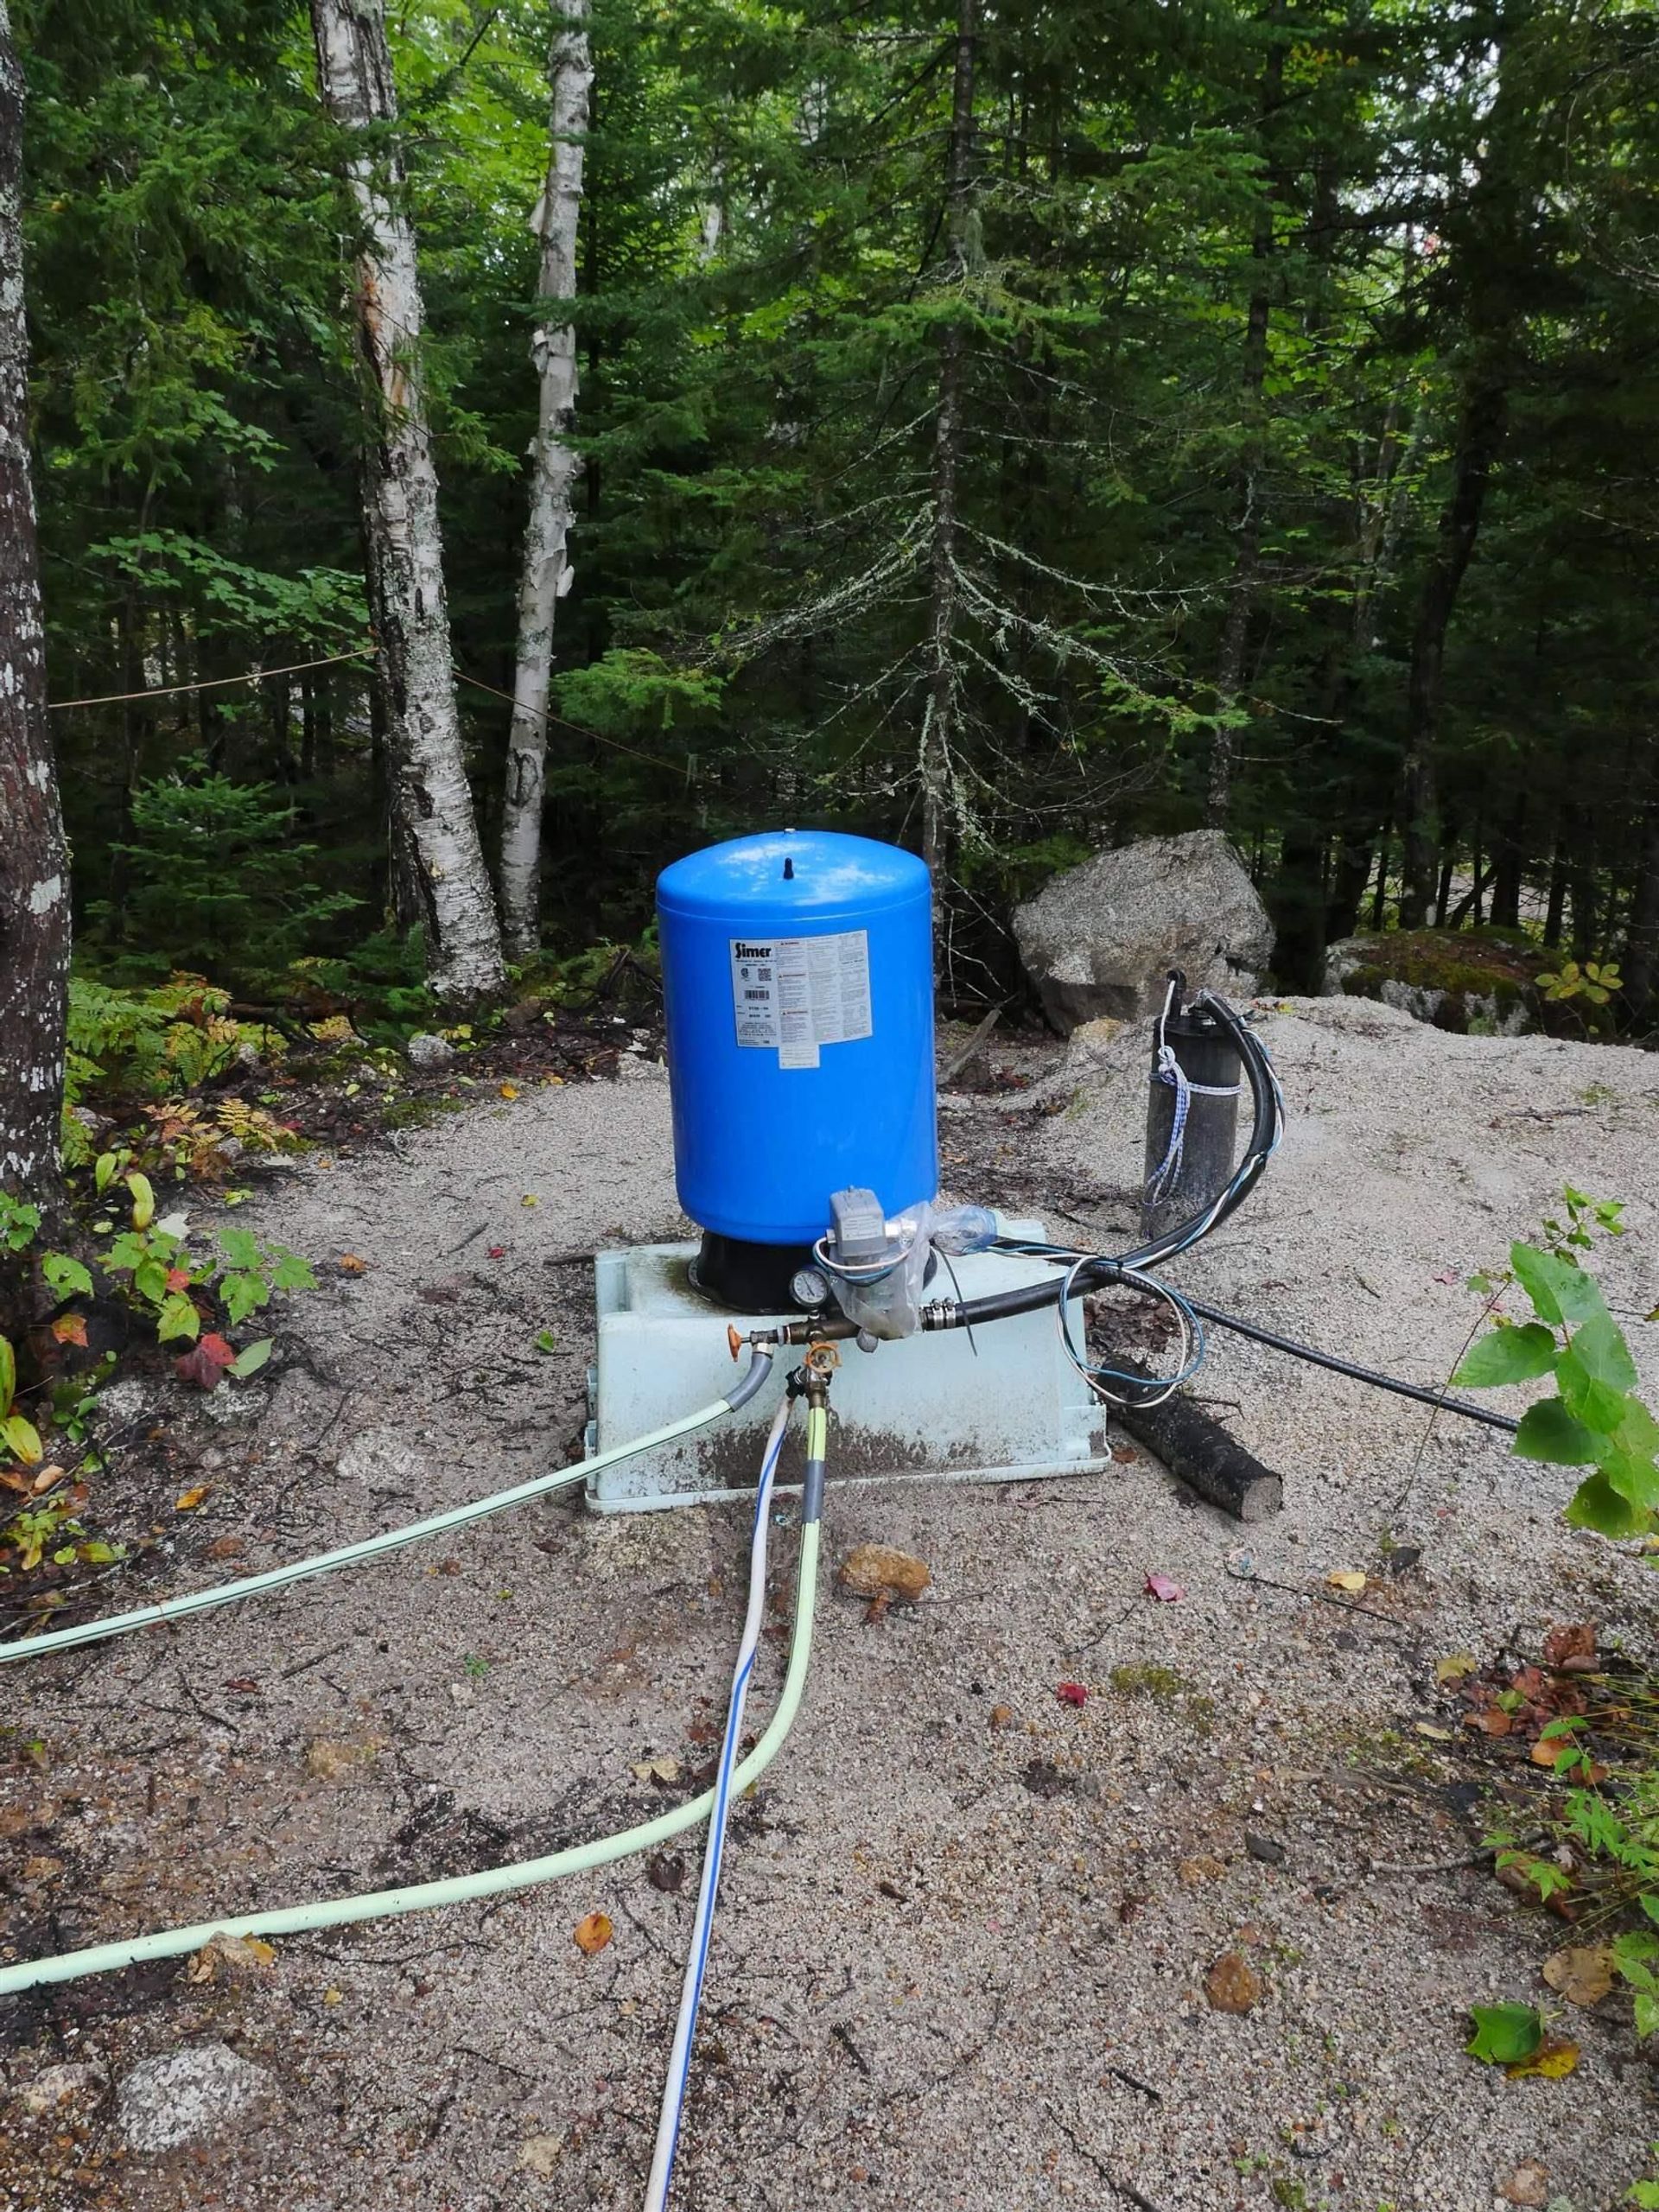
(1085, 1271)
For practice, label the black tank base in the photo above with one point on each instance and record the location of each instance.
(748, 1278)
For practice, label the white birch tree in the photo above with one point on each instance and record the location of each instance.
(431, 800)
(34, 866)
(546, 575)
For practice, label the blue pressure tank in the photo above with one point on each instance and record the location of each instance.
(798, 968)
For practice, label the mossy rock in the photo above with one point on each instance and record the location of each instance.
(1464, 980)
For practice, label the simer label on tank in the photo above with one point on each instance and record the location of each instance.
(795, 994)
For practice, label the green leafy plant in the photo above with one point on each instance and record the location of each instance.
(1595, 981)
(152, 1254)
(1606, 1815)
(46, 1523)
(127, 1048)
(1593, 1418)
(1644, 2195)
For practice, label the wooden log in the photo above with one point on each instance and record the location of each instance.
(1199, 1452)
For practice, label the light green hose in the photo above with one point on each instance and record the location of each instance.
(278, 1578)
(464, 1889)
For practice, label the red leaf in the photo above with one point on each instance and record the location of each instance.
(1165, 1591)
(1073, 1694)
(178, 1278)
(70, 1329)
(205, 1362)
(498, 1251)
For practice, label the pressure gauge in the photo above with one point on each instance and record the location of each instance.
(808, 1287)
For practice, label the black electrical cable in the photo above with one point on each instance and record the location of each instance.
(1002, 1306)
(1264, 1137)
(1102, 1273)
(1350, 1368)
(1098, 1273)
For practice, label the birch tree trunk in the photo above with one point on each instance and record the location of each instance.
(547, 574)
(33, 865)
(428, 771)
(939, 715)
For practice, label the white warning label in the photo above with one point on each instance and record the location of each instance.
(797, 993)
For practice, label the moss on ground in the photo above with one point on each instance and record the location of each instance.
(1495, 966)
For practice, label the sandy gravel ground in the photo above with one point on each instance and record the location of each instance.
(961, 1951)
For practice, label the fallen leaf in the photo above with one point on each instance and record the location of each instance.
(1071, 1693)
(1548, 1748)
(1232, 1984)
(1455, 1666)
(244, 1685)
(1435, 1735)
(659, 1769)
(540, 2155)
(1527, 2185)
(1505, 2035)
(1583, 1972)
(509, 1090)
(1347, 1578)
(334, 1997)
(178, 1279)
(871, 1570)
(226, 1547)
(188, 1501)
(231, 1954)
(47, 1480)
(350, 1265)
(1445, 1274)
(1552, 2061)
(1574, 1647)
(205, 1360)
(1165, 1591)
(666, 1871)
(498, 1251)
(592, 1933)
(1001, 1715)
(1490, 1723)
(71, 1328)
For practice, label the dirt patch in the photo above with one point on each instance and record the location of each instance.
(961, 1958)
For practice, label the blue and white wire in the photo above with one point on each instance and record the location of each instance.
(1149, 1390)
(679, 2062)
